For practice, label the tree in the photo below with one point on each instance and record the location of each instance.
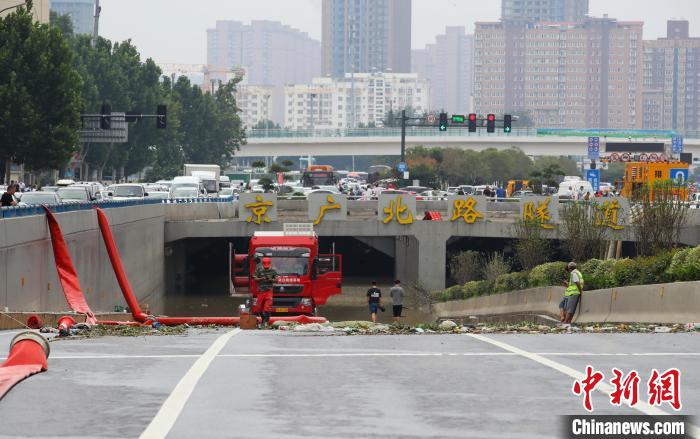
(287, 163)
(466, 266)
(583, 238)
(266, 124)
(531, 247)
(39, 94)
(275, 168)
(551, 169)
(266, 184)
(258, 164)
(63, 22)
(659, 215)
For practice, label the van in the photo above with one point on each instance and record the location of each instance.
(563, 192)
(188, 181)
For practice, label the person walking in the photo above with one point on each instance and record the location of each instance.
(374, 300)
(572, 294)
(265, 277)
(8, 199)
(397, 294)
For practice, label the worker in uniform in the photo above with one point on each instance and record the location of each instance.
(265, 277)
(572, 295)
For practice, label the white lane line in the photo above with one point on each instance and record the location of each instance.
(172, 407)
(378, 354)
(602, 387)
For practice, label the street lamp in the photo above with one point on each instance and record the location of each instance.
(12, 7)
(267, 112)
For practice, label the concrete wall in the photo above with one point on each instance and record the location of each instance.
(28, 278)
(677, 302)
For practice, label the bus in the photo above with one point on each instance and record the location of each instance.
(319, 175)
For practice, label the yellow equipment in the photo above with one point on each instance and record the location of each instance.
(644, 174)
(516, 185)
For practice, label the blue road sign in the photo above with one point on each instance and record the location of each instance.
(677, 144)
(402, 167)
(593, 176)
(679, 175)
(593, 148)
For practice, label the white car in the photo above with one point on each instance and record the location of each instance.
(120, 192)
(38, 198)
(433, 195)
(184, 192)
(158, 195)
(74, 194)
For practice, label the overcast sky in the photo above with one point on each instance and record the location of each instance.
(175, 30)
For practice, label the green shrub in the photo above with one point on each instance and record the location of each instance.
(512, 282)
(601, 277)
(478, 288)
(455, 293)
(549, 274)
(626, 272)
(652, 269)
(685, 265)
(590, 266)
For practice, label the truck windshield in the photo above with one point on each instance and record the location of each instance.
(287, 261)
(319, 178)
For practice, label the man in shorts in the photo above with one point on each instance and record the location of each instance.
(397, 294)
(374, 300)
(572, 295)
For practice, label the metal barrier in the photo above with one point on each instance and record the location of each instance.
(20, 211)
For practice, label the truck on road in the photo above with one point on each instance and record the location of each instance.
(305, 278)
(208, 175)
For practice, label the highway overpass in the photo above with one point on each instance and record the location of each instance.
(387, 142)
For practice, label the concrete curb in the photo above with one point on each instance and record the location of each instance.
(677, 302)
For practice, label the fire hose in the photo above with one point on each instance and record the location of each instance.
(28, 354)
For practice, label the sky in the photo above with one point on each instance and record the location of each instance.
(174, 31)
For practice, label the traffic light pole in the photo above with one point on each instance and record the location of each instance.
(403, 136)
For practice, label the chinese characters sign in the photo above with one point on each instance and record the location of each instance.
(543, 211)
(397, 209)
(611, 212)
(327, 207)
(466, 209)
(257, 208)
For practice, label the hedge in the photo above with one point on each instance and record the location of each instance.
(674, 266)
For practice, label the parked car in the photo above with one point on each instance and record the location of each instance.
(93, 188)
(38, 198)
(184, 192)
(127, 192)
(49, 188)
(158, 195)
(433, 195)
(226, 194)
(74, 194)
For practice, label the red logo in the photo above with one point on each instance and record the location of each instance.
(587, 385)
(665, 387)
(626, 389)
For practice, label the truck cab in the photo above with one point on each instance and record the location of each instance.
(305, 278)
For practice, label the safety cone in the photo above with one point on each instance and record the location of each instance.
(64, 325)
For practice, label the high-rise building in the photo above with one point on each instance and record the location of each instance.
(365, 36)
(270, 53)
(573, 75)
(544, 10)
(82, 13)
(363, 100)
(672, 80)
(448, 65)
(255, 103)
(40, 9)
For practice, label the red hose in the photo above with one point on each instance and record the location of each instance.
(116, 261)
(66, 271)
(28, 354)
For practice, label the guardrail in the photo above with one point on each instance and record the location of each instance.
(19, 211)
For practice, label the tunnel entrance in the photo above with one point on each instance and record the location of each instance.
(197, 272)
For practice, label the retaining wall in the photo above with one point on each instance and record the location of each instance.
(28, 278)
(677, 302)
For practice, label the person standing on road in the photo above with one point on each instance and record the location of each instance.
(396, 292)
(8, 199)
(572, 295)
(374, 300)
(265, 278)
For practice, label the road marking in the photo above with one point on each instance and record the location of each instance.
(172, 407)
(379, 354)
(602, 387)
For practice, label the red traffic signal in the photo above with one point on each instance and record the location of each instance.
(490, 123)
(472, 123)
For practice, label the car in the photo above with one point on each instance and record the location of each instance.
(127, 191)
(93, 188)
(158, 195)
(65, 182)
(466, 188)
(433, 195)
(330, 189)
(395, 192)
(415, 189)
(74, 194)
(38, 198)
(452, 189)
(226, 194)
(49, 188)
(520, 194)
(184, 192)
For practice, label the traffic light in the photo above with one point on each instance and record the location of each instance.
(472, 123)
(106, 117)
(490, 123)
(507, 122)
(162, 117)
(443, 122)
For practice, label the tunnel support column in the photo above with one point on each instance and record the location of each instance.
(422, 257)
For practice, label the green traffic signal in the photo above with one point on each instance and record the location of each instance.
(443, 122)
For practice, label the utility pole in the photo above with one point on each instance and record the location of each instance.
(403, 135)
(96, 27)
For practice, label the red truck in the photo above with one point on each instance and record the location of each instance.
(305, 278)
